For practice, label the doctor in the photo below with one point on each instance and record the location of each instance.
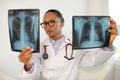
(51, 63)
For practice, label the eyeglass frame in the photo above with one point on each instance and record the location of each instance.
(48, 23)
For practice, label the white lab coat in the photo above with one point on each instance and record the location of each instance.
(56, 67)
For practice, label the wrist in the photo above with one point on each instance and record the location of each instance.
(110, 45)
(27, 67)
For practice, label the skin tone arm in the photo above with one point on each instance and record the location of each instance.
(25, 57)
(113, 32)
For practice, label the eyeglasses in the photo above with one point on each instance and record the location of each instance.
(51, 23)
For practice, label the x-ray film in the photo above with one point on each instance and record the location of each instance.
(24, 29)
(90, 32)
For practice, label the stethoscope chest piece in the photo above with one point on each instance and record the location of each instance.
(45, 56)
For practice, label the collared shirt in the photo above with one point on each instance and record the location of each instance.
(57, 44)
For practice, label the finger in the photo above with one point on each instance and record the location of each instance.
(29, 52)
(23, 54)
(24, 58)
(23, 51)
(27, 60)
(113, 32)
(111, 20)
(112, 25)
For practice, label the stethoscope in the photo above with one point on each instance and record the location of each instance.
(45, 55)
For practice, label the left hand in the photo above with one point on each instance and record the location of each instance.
(113, 32)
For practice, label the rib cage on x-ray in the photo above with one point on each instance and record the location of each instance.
(90, 31)
(24, 29)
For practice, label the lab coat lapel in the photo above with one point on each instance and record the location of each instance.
(63, 45)
(49, 63)
(49, 47)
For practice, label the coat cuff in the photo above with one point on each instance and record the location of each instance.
(108, 49)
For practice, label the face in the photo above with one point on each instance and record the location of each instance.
(53, 31)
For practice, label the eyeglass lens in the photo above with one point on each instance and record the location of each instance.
(51, 23)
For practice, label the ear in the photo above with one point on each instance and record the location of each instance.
(62, 24)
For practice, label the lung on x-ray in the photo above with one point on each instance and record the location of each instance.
(90, 32)
(24, 28)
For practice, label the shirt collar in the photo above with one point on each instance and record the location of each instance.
(47, 40)
(60, 41)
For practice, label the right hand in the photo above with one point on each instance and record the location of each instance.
(25, 57)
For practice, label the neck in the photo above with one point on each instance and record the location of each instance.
(57, 37)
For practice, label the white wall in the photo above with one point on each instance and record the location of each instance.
(9, 63)
(113, 10)
(98, 7)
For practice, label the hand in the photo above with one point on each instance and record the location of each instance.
(113, 32)
(25, 57)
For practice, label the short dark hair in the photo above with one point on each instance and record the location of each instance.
(58, 13)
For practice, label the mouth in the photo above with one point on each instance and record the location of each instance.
(49, 31)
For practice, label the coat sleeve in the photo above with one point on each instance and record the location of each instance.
(35, 73)
(95, 57)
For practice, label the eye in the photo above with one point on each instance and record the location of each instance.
(52, 21)
(43, 24)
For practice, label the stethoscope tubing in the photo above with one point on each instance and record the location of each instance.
(45, 55)
(66, 56)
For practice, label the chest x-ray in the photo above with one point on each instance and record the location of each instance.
(24, 29)
(90, 32)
